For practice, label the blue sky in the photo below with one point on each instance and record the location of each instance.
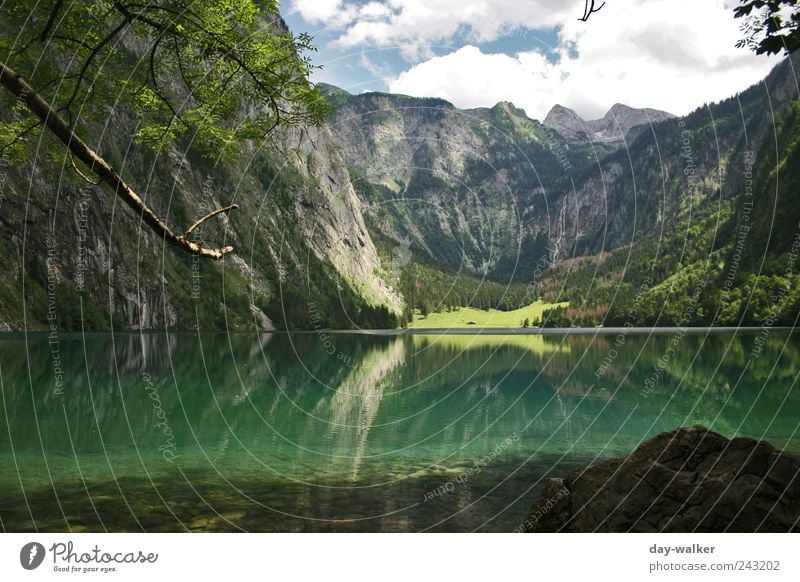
(371, 67)
(667, 54)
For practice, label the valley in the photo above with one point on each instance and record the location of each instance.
(400, 211)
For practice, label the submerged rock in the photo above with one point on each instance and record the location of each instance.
(689, 479)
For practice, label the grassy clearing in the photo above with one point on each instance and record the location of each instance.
(461, 317)
(537, 344)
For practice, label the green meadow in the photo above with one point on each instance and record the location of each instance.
(469, 317)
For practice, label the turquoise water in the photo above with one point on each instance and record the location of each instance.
(298, 432)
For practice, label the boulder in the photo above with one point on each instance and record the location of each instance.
(689, 479)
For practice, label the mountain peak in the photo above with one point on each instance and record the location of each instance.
(566, 122)
(619, 109)
(612, 127)
(559, 111)
(509, 107)
(328, 89)
(621, 118)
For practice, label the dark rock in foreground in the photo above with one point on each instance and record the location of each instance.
(689, 479)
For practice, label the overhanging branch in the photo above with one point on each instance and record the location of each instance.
(17, 85)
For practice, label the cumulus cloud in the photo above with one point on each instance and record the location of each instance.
(667, 54)
(413, 24)
(470, 78)
(326, 12)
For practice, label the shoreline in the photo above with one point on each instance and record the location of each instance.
(564, 330)
(652, 330)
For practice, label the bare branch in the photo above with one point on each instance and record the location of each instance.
(189, 230)
(81, 174)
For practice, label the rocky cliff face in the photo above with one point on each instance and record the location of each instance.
(669, 168)
(470, 188)
(71, 256)
(493, 191)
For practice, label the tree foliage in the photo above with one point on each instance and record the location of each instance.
(206, 74)
(769, 26)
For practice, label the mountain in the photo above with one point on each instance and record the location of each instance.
(400, 202)
(569, 124)
(714, 232)
(471, 189)
(70, 257)
(621, 119)
(492, 192)
(673, 168)
(613, 127)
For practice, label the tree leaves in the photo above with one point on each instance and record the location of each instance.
(211, 72)
(769, 26)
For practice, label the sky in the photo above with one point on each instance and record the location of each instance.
(673, 55)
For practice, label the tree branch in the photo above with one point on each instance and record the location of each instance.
(157, 89)
(212, 214)
(89, 60)
(20, 135)
(222, 47)
(51, 21)
(16, 85)
(78, 171)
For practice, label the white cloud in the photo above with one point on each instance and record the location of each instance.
(326, 12)
(667, 54)
(411, 24)
(470, 78)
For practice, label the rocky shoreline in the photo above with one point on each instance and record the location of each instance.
(686, 480)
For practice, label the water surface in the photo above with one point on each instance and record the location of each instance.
(302, 432)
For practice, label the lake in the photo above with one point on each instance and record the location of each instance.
(349, 432)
